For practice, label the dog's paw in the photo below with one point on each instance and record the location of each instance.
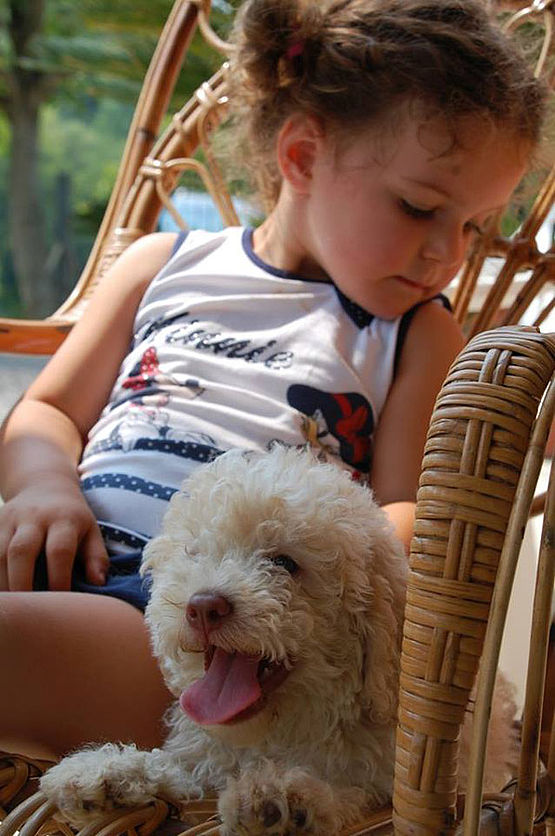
(93, 781)
(270, 802)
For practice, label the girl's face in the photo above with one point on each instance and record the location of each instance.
(390, 219)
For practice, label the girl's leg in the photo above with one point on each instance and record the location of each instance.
(76, 669)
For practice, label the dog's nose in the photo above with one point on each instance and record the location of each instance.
(206, 611)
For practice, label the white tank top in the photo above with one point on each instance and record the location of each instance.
(230, 352)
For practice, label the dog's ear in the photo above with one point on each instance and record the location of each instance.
(378, 623)
(175, 534)
(155, 552)
(381, 634)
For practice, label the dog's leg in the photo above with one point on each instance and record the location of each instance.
(93, 781)
(271, 801)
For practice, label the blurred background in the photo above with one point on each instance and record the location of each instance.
(70, 74)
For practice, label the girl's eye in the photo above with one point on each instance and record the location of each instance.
(415, 211)
(286, 563)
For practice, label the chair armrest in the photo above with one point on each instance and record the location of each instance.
(32, 336)
(475, 449)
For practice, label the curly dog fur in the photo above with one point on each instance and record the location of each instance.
(281, 577)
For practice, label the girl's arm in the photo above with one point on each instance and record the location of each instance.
(431, 344)
(42, 439)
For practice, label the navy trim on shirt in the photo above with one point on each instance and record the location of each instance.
(361, 317)
(354, 311)
(358, 315)
(178, 241)
(247, 241)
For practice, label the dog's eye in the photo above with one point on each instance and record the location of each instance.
(286, 563)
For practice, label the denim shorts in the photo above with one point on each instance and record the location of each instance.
(123, 580)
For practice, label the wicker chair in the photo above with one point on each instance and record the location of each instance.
(486, 444)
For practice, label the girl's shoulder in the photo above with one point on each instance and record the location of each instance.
(433, 327)
(432, 341)
(145, 257)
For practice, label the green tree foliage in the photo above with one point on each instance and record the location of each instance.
(61, 63)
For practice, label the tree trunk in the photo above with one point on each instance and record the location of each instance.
(26, 213)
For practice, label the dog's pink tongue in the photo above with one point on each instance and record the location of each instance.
(228, 687)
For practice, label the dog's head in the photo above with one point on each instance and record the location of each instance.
(277, 593)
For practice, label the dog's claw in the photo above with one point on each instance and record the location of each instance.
(270, 801)
(271, 813)
(299, 817)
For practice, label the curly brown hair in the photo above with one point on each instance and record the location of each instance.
(351, 63)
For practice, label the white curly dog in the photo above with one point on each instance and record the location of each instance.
(276, 609)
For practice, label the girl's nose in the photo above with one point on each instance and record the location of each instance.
(447, 246)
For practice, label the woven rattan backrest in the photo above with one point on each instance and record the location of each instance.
(144, 177)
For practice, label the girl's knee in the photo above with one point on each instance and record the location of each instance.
(81, 670)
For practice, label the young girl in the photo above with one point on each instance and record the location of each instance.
(383, 134)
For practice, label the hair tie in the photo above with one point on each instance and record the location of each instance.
(296, 49)
(287, 68)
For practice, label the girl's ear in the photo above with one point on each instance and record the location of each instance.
(299, 142)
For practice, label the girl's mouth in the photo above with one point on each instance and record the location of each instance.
(411, 283)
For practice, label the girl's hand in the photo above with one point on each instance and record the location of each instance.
(45, 510)
(51, 516)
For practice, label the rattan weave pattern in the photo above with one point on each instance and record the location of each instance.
(474, 453)
(18, 777)
(37, 817)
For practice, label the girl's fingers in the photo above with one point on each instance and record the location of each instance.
(60, 548)
(94, 556)
(22, 553)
